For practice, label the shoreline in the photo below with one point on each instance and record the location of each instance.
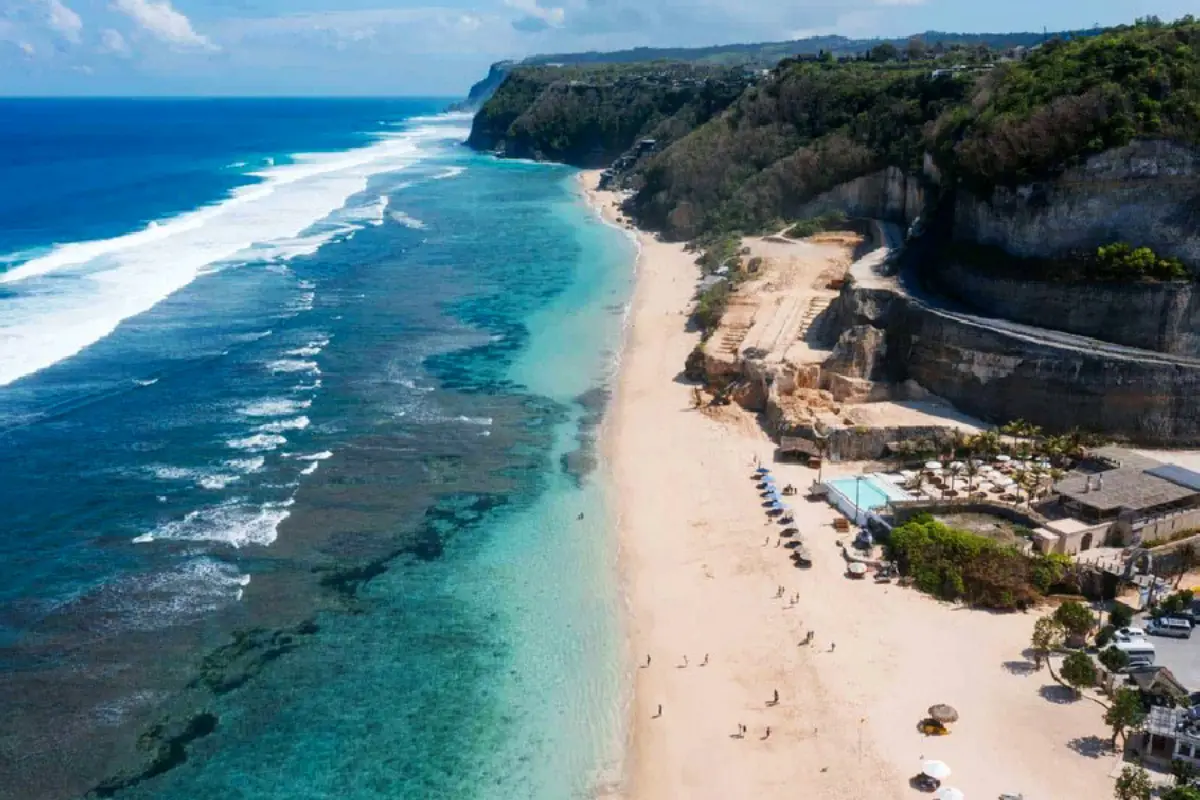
(699, 572)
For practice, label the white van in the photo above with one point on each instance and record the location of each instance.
(1137, 650)
(1177, 628)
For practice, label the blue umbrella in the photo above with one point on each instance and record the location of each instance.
(776, 504)
(768, 479)
(762, 470)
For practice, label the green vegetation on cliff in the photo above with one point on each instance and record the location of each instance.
(587, 116)
(811, 127)
(1118, 263)
(1068, 100)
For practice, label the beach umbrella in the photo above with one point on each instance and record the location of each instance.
(957, 465)
(948, 793)
(857, 568)
(938, 770)
(762, 470)
(943, 713)
(1003, 458)
(933, 466)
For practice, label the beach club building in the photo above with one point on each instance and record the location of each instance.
(1172, 734)
(1134, 501)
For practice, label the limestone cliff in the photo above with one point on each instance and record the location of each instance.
(1146, 193)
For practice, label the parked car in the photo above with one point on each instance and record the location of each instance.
(1176, 628)
(1129, 633)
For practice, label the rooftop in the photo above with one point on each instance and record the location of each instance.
(1126, 487)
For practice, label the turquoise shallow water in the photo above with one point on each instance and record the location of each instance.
(449, 359)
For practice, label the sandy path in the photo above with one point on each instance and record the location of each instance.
(700, 580)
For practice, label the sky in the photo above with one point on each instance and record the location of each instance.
(439, 47)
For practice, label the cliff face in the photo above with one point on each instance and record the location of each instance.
(1146, 193)
(889, 194)
(1000, 373)
(1164, 317)
(482, 90)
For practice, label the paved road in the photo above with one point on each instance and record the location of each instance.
(1181, 656)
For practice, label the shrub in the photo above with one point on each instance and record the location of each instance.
(1047, 571)
(710, 307)
(1105, 635)
(959, 565)
(833, 221)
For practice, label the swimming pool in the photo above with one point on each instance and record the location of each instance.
(871, 491)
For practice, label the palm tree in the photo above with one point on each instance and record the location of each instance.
(972, 470)
(1020, 476)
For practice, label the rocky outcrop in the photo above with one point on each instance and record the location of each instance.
(1164, 317)
(890, 194)
(1146, 193)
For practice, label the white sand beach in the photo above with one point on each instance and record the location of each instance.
(701, 569)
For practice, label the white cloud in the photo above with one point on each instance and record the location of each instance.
(161, 20)
(113, 42)
(66, 22)
(27, 48)
(553, 16)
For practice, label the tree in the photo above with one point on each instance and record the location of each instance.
(1133, 784)
(1125, 713)
(1076, 619)
(916, 49)
(1047, 637)
(1079, 671)
(1187, 558)
(1181, 792)
(1120, 616)
(883, 52)
(1183, 772)
(1114, 660)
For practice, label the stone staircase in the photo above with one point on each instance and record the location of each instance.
(733, 336)
(816, 305)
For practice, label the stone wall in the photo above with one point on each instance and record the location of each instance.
(889, 194)
(1146, 193)
(1153, 316)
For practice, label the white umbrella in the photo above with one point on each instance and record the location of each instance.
(948, 793)
(938, 770)
(1003, 458)
(933, 465)
(957, 465)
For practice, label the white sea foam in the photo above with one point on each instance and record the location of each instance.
(246, 465)
(321, 456)
(279, 426)
(217, 481)
(311, 468)
(147, 382)
(234, 523)
(97, 284)
(259, 443)
(407, 221)
(476, 420)
(306, 285)
(164, 473)
(308, 387)
(450, 172)
(309, 350)
(294, 365)
(274, 407)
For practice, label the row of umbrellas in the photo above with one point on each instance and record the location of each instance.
(768, 480)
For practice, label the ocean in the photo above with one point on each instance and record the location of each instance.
(299, 403)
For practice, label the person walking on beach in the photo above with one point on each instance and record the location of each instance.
(647, 659)
(659, 714)
(705, 662)
(832, 646)
(768, 734)
(776, 701)
(685, 661)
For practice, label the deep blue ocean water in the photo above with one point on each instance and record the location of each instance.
(298, 402)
